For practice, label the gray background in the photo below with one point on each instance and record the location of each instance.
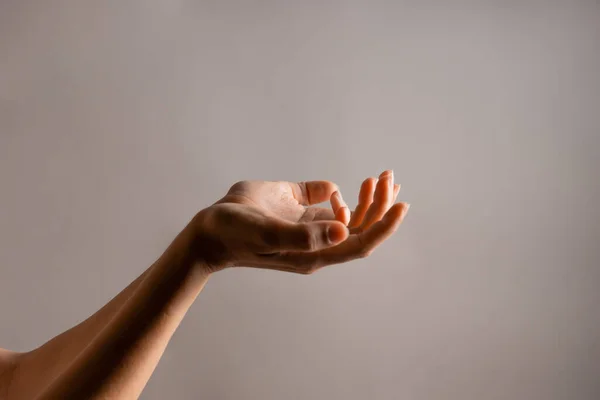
(119, 120)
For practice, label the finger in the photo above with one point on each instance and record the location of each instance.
(356, 246)
(396, 191)
(382, 229)
(365, 198)
(340, 208)
(312, 192)
(363, 244)
(382, 200)
(281, 235)
(319, 214)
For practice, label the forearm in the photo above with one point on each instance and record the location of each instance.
(120, 358)
(119, 361)
(45, 363)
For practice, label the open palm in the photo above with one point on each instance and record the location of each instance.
(275, 225)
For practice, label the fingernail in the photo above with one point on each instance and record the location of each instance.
(388, 173)
(336, 233)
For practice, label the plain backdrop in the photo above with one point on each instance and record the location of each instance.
(119, 120)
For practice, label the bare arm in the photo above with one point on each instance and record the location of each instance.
(8, 363)
(118, 362)
(258, 224)
(47, 362)
(52, 367)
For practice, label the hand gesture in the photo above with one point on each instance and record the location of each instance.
(274, 225)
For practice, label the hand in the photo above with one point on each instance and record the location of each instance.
(270, 225)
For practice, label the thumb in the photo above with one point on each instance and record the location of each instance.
(303, 236)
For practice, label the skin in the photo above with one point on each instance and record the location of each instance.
(260, 224)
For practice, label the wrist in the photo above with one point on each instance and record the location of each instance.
(206, 251)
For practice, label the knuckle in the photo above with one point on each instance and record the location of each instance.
(239, 185)
(365, 252)
(302, 186)
(308, 239)
(222, 215)
(303, 195)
